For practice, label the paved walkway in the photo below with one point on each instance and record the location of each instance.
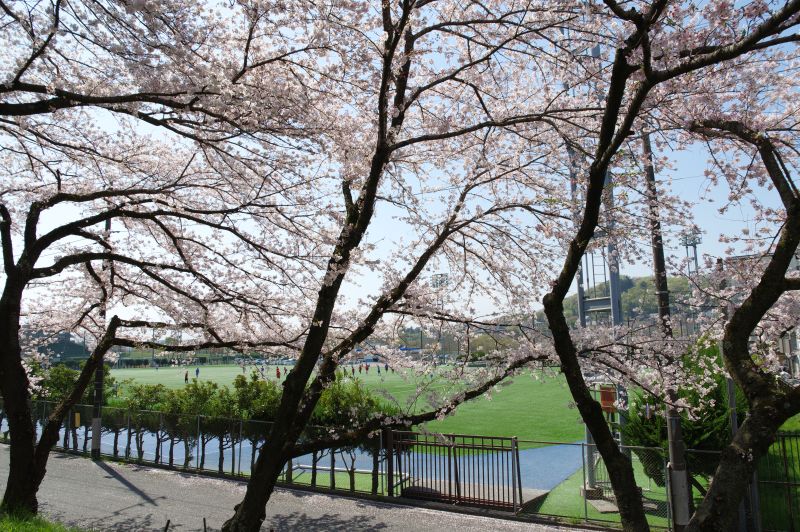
(122, 497)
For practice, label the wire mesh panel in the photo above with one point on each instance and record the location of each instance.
(651, 476)
(779, 484)
(462, 469)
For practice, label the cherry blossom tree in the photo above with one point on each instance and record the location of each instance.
(660, 52)
(142, 117)
(258, 160)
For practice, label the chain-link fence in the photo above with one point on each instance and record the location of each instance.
(571, 482)
(779, 484)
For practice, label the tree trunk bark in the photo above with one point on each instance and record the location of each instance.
(116, 443)
(140, 444)
(620, 469)
(314, 469)
(375, 468)
(28, 462)
(221, 460)
(771, 400)
(719, 509)
(351, 472)
(186, 453)
(157, 457)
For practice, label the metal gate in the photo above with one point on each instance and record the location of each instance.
(455, 468)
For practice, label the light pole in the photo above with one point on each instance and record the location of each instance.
(679, 479)
(691, 238)
(99, 374)
(438, 282)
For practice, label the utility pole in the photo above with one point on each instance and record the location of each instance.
(749, 504)
(679, 478)
(99, 373)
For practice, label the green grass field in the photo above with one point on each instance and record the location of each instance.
(531, 409)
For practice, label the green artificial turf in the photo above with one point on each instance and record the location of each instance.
(531, 409)
(566, 501)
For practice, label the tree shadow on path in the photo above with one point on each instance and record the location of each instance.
(327, 523)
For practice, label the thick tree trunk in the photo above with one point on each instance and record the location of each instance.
(28, 460)
(719, 508)
(22, 484)
(771, 400)
(620, 469)
(251, 512)
(20, 494)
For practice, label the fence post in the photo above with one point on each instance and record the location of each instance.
(449, 471)
(519, 473)
(668, 490)
(197, 446)
(66, 429)
(584, 453)
(591, 475)
(128, 435)
(240, 446)
(514, 464)
(333, 469)
(158, 435)
(389, 463)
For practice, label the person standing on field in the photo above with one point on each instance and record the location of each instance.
(186, 377)
(196, 373)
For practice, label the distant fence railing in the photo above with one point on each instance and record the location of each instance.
(532, 478)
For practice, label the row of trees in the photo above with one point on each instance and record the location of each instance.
(287, 177)
(195, 415)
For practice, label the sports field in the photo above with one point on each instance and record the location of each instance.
(531, 409)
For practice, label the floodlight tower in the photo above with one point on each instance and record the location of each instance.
(690, 239)
(439, 281)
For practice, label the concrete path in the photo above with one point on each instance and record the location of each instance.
(110, 496)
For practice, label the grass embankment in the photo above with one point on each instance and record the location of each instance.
(531, 409)
(32, 524)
